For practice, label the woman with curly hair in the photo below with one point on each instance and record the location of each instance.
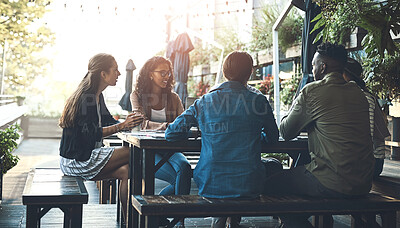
(86, 120)
(153, 95)
(159, 105)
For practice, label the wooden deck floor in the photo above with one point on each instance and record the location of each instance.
(44, 153)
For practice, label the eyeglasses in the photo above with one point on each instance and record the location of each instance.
(164, 73)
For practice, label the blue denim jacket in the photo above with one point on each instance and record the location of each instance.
(233, 122)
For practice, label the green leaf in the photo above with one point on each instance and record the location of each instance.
(316, 18)
(318, 37)
(9, 137)
(318, 25)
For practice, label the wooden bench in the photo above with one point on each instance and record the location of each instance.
(388, 182)
(48, 188)
(363, 210)
(388, 185)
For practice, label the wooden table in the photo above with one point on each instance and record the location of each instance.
(144, 145)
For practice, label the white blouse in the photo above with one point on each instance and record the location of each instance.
(158, 115)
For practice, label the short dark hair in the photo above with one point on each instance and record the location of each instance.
(238, 66)
(336, 52)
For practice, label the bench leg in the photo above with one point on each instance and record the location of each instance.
(32, 216)
(364, 220)
(104, 191)
(113, 191)
(325, 221)
(388, 219)
(76, 216)
(151, 221)
(72, 216)
(356, 221)
(141, 221)
(370, 220)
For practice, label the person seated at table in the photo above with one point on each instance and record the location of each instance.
(86, 120)
(379, 131)
(336, 117)
(154, 99)
(233, 121)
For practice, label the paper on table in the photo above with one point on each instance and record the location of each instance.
(153, 134)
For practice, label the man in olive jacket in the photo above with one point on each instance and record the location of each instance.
(335, 114)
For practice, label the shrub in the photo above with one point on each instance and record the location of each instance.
(8, 142)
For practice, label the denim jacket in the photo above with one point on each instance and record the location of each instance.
(233, 122)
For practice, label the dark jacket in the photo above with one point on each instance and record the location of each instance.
(78, 142)
(336, 116)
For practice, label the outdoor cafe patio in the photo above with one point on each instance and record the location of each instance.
(35, 193)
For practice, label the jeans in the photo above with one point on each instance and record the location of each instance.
(177, 172)
(378, 166)
(298, 181)
(272, 166)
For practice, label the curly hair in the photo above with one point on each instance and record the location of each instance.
(334, 51)
(144, 82)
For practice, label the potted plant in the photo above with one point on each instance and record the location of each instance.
(20, 100)
(202, 88)
(8, 142)
(266, 86)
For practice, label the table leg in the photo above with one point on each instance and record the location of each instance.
(130, 192)
(76, 216)
(148, 171)
(135, 184)
(32, 216)
(137, 171)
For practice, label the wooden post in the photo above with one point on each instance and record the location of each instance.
(25, 125)
(396, 138)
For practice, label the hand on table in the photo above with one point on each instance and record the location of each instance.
(132, 120)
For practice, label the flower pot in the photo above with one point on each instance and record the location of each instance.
(20, 101)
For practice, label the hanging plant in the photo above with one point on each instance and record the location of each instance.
(8, 142)
(380, 19)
